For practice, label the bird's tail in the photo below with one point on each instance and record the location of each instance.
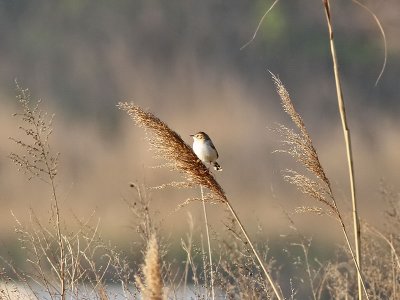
(217, 167)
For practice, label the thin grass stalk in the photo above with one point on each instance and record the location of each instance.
(305, 252)
(60, 243)
(394, 271)
(378, 23)
(51, 174)
(259, 25)
(209, 243)
(203, 257)
(58, 224)
(346, 133)
(188, 249)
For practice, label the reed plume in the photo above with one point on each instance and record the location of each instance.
(300, 147)
(152, 287)
(167, 144)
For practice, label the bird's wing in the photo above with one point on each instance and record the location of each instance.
(212, 146)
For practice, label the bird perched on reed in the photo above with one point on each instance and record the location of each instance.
(205, 150)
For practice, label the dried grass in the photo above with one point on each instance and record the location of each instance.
(38, 161)
(62, 263)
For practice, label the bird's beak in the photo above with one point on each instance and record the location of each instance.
(192, 135)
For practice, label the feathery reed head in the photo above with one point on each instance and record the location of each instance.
(152, 288)
(300, 144)
(169, 145)
(300, 147)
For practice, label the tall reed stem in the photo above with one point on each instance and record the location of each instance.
(209, 244)
(346, 133)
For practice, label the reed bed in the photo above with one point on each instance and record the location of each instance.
(78, 264)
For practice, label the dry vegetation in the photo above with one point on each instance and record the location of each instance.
(80, 264)
(65, 263)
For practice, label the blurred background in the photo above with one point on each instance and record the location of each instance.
(183, 61)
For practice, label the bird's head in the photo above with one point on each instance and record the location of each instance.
(201, 136)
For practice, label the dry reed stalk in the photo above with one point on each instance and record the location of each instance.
(204, 261)
(301, 148)
(187, 247)
(169, 145)
(152, 287)
(208, 243)
(347, 138)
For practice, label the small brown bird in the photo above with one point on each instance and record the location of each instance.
(205, 150)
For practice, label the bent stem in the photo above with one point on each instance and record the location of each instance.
(346, 133)
(277, 293)
(208, 243)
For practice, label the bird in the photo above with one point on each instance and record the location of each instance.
(205, 150)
